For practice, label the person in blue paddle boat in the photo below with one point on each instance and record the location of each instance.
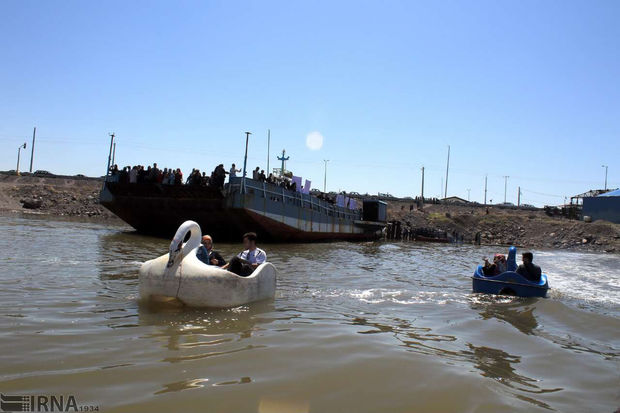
(498, 266)
(528, 269)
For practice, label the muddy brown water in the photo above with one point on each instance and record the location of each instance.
(354, 327)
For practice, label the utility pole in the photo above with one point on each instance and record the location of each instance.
(423, 185)
(268, 149)
(324, 176)
(283, 159)
(485, 188)
(18, 150)
(445, 194)
(113, 153)
(245, 161)
(110, 154)
(519, 197)
(505, 186)
(468, 192)
(605, 166)
(441, 187)
(32, 149)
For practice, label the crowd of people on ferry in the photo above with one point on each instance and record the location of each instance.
(140, 174)
(283, 182)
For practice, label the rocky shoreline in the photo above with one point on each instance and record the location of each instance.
(497, 226)
(63, 197)
(79, 199)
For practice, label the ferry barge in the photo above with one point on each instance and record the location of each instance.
(276, 214)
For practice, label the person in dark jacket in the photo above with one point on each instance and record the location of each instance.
(528, 269)
(207, 254)
(218, 176)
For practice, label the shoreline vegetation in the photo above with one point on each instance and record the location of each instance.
(78, 198)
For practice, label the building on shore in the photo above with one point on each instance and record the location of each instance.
(455, 200)
(603, 206)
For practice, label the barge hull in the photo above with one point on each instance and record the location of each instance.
(275, 214)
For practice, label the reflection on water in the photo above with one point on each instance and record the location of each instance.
(354, 327)
(200, 330)
(183, 385)
(519, 312)
(416, 339)
(497, 365)
(492, 363)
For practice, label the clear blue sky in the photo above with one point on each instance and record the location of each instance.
(528, 89)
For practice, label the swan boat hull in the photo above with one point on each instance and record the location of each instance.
(181, 275)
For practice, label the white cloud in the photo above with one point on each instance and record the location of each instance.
(314, 141)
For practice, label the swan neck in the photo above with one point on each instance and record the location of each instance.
(177, 246)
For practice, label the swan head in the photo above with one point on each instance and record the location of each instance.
(177, 249)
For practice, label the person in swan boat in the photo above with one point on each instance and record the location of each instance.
(207, 254)
(248, 260)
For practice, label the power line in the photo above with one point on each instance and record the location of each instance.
(542, 193)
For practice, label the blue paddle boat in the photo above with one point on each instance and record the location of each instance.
(509, 282)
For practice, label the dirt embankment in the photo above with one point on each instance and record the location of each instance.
(53, 196)
(79, 198)
(523, 228)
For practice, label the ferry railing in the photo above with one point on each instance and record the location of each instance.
(286, 194)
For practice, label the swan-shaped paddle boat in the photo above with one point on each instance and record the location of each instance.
(509, 282)
(181, 275)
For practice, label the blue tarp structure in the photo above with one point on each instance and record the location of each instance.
(605, 206)
(611, 193)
